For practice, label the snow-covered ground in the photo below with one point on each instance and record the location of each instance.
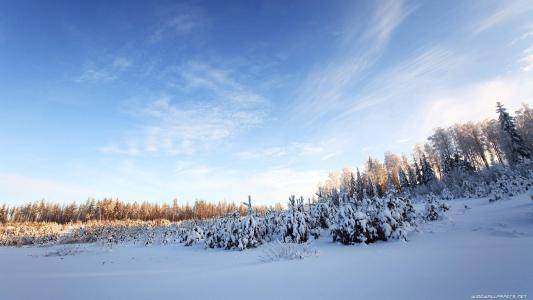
(484, 250)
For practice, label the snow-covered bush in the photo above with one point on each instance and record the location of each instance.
(323, 213)
(279, 251)
(434, 209)
(446, 194)
(21, 234)
(224, 232)
(508, 186)
(193, 236)
(296, 229)
(250, 233)
(352, 225)
(372, 220)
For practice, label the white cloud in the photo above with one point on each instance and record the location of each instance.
(329, 86)
(528, 33)
(178, 20)
(527, 63)
(506, 11)
(109, 71)
(527, 60)
(293, 150)
(473, 102)
(121, 63)
(220, 82)
(419, 73)
(388, 16)
(174, 126)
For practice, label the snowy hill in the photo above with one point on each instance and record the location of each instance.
(484, 249)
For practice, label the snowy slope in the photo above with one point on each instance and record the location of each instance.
(483, 250)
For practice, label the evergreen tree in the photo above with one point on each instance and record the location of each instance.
(360, 187)
(412, 176)
(391, 187)
(370, 188)
(518, 149)
(404, 183)
(353, 187)
(296, 229)
(418, 174)
(427, 171)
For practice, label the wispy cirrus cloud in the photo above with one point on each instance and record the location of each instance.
(388, 16)
(504, 12)
(328, 86)
(417, 74)
(175, 21)
(178, 124)
(526, 61)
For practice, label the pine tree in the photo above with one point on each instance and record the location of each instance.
(427, 171)
(412, 177)
(360, 187)
(370, 188)
(391, 187)
(353, 187)
(418, 174)
(296, 229)
(404, 183)
(250, 234)
(519, 150)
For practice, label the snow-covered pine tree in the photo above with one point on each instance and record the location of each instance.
(360, 187)
(296, 229)
(312, 221)
(518, 149)
(428, 175)
(370, 188)
(323, 212)
(225, 232)
(374, 219)
(418, 174)
(434, 209)
(194, 235)
(353, 187)
(213, 235)
(352, 224)
(412, 177)
(267, 226)
(250, 231)
(391, 187)
(404, 183)
(390, 220)
(335, 197)
(446, 194)
(250, 236)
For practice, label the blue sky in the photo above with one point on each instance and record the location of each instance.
(220, 99)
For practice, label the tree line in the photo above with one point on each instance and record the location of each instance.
(449, 154)
(114, 209)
